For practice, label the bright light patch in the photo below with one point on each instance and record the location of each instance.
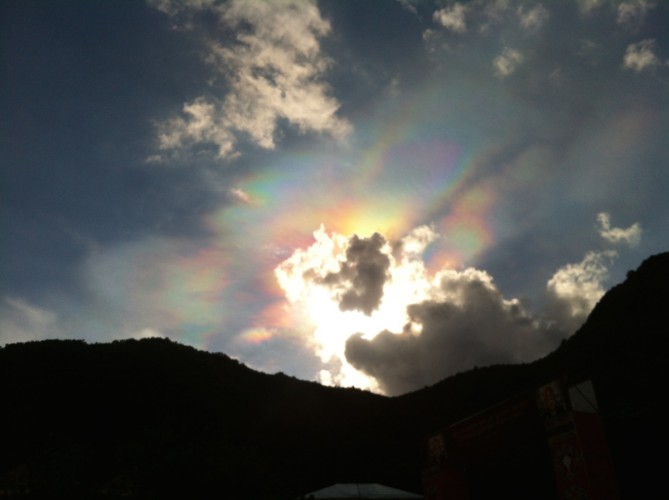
(303, 277)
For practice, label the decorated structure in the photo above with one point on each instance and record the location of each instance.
(548, 444)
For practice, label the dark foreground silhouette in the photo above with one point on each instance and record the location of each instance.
(156, 419)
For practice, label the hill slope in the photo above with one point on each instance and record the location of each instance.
(158, 419)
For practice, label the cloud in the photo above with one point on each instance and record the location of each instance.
(466, 322)
(469, 324)
(632, 14)
(148, 333)
(379, 312)
(390, 275)
(416, 242)
(203, 121)
(409, 5)
(268, 68)
(241, 196)
(630, 236)
(443, 323)
(178, 7)
(362, 275)
(534, 18)
(641, 56)
(587, 6)
(507, 62)
(21, 321)
(452, 18)
(576, 288)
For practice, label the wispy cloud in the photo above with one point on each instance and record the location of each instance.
(534, 18)
(409, 5)
(21, 321)
(630, 235)
(587, 6)
(507, 62)
(631, 14)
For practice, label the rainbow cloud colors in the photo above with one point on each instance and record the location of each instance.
(377, 195)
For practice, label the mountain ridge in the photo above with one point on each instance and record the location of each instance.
(162, 420)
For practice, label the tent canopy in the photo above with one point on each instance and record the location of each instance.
(369, 491)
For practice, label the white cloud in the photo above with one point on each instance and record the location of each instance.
(203, 121)
(534, 18)
(641, 56)
(241, 196)
(578, 287)
(304, 277)
(630, 236)
(631, 14)
(426, 326)
(273, 71)
(507, 62)
(452, 18)
(417, 241)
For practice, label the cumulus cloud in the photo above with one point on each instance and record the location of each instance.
(632, 14)
(641, 56)
(576, 288)
(272, 70)
(452, 17)
(630, 236)
(360, 279)
(392, 274)
(416, 242)
(507, 62)
(468, 323)
(534, 18)
(378, 311)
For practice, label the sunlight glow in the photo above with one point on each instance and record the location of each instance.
(301, 277)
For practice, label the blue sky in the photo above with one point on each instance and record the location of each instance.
(376, 194)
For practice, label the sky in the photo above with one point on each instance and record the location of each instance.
(372, 194)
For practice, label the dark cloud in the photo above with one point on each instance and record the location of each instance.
(362, 275)
(473, 326)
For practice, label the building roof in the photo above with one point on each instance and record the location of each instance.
(370, 491)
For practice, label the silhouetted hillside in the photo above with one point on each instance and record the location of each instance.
(156, 419)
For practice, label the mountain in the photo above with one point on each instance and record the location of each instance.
(156, 419)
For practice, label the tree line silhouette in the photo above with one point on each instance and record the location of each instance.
(155, 419)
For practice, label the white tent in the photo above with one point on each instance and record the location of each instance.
(368, 491)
